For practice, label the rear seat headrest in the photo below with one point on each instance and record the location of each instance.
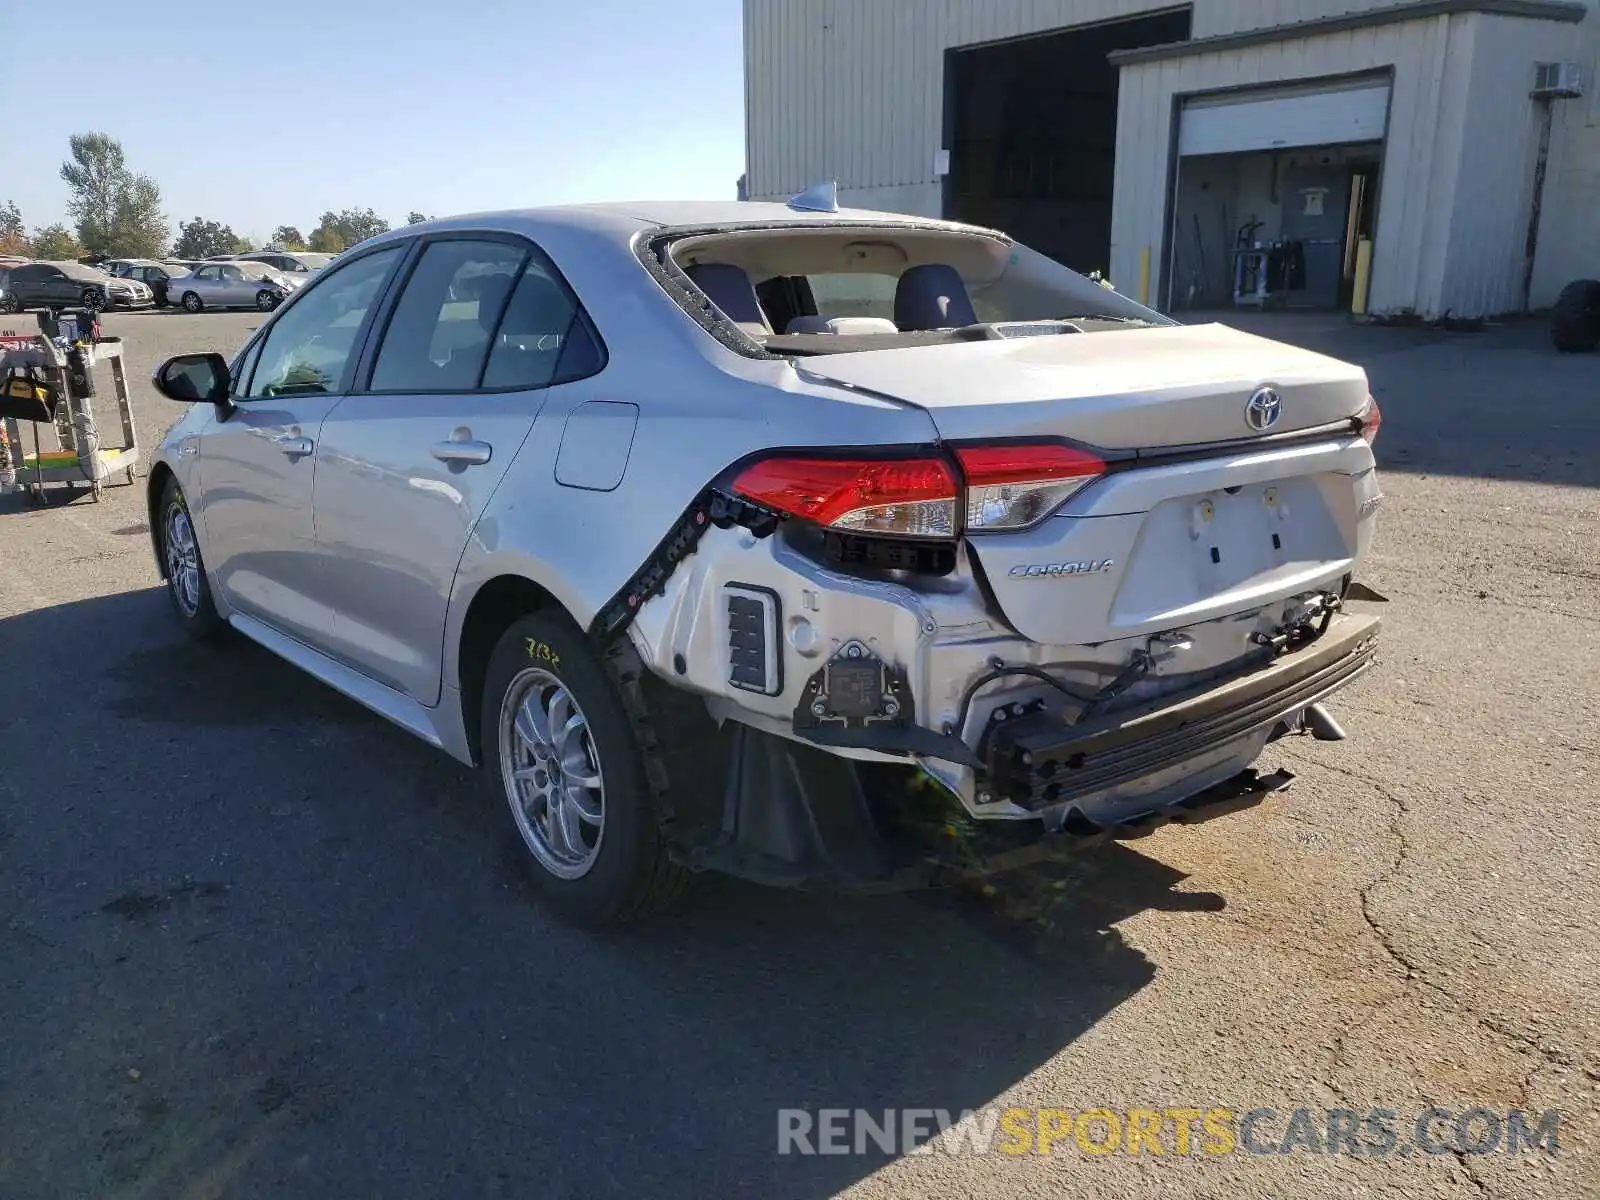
(730, 289)
(932, 296)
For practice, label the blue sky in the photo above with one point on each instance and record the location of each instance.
(258, 114)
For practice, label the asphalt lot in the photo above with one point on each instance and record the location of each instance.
(256, 942)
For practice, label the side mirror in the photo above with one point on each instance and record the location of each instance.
(192, 378)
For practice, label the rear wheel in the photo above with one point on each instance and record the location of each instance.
(561, 752)
(187, 586)
(93, 299)
(8, 304)
(1575, 319)
(191, 303)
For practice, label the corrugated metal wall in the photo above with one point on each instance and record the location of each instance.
(853, 90)
(1457, 167)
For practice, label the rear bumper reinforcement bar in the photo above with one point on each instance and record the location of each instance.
(1039, 761)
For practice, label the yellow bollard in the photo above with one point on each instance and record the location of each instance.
(1144, 275)
(1358, 296)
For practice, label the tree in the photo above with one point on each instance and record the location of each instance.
(200, 238)
(13, 233)
(415, 218)
(116, 211)
(55, 242)
(138, 227)
(98, 175)
(287, 237)
(338, 231)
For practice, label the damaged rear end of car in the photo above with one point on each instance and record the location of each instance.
(1117, 567)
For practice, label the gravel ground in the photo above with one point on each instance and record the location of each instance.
(255, 942)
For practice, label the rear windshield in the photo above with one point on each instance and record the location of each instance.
(815, 289)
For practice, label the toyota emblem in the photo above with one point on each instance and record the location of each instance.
(1264, 409)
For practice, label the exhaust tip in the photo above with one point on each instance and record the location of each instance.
(1322, 725)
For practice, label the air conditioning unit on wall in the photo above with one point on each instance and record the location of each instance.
(1551, 79)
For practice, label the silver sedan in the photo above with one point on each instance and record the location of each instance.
(231, 285)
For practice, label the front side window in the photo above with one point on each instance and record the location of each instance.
(232, 273)
(308, 348)
(439, 336)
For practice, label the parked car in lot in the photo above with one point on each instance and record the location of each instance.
(152, 274)
(610, 501)
(231, 285)
(290, 262)
(58, 284)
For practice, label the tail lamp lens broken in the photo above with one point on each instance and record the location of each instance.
(1004, 487)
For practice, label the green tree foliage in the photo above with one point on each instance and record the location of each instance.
(13, 233)
(116, 211)
(288, 237)
(55, 242)
(200, 238)
(415, 218)
(341, 230)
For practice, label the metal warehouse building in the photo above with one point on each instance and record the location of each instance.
(1435, 156)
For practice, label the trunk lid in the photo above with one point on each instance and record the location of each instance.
(1124, 389)
(1185, 539)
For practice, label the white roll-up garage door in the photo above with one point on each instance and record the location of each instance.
(1275, 119)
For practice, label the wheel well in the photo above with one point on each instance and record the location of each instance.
(154, 486)
(497, 604)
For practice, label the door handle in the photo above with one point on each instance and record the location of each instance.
(470, 454)
(294, 447)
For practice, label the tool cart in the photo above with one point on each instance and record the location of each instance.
(48, 379)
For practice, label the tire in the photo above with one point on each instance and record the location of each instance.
(1575, 319)
(8, 304)
(265, 301)
(619, 871)
(94, 300)
(191, 302)
(187, 585)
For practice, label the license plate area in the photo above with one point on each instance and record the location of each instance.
(1194, 550)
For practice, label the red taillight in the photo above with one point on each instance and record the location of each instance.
(908, 497)
(1369, 421)
(1012, 487)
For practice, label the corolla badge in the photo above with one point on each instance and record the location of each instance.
(1264, 409)
(1093, 566)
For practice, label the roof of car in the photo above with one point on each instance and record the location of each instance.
(628, 216)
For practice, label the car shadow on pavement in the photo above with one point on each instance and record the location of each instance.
(256, 937)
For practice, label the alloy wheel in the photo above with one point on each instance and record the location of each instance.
(183, 561)
(551, 773)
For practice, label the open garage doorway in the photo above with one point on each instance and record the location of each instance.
(1031, 126)
(1275, 192)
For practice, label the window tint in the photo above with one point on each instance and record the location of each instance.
(307, 349)
(207, 273)
(541, 339)
(232, 273)
(439, 335)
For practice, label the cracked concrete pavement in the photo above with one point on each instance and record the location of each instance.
(255, 942)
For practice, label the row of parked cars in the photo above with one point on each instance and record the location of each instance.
(259, 279)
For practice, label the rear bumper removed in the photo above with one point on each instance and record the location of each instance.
(1037, 761)
(795, 815)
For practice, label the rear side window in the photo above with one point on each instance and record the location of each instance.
(542, 339)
